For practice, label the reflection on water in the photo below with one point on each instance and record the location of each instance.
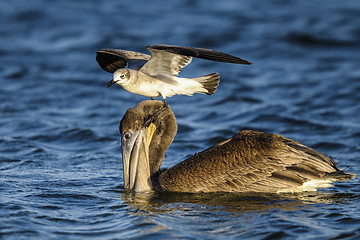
(231, 202)
(253, 216)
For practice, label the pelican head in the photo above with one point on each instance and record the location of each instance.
(146, 130)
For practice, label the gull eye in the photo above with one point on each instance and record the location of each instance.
(122, 76)
(126, 136)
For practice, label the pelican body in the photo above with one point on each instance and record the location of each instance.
(250, 161)
(157, 75)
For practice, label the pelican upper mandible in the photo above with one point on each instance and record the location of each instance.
(250, 161)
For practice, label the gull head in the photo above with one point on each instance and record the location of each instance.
(120, 77)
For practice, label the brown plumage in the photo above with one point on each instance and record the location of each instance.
(250, 161)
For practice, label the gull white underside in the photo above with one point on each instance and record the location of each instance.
(145, 85)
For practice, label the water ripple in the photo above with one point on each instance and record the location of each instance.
(60, 158)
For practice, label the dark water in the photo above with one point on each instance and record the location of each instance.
(60, 161)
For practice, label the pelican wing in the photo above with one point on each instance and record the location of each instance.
(248, 162)
(112, 59)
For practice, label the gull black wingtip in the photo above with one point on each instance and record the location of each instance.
(110, 59)
(203, 53)
(245, 62)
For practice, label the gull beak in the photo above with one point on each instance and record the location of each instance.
(135, 155)
(111, 83)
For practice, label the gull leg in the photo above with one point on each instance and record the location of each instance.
(152, 117)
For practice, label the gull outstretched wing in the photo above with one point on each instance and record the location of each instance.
(167, 59)
(112, 59)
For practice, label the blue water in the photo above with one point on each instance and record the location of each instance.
(60, 159)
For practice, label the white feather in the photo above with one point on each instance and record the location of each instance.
(310, 186)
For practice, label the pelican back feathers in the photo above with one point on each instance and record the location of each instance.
(252, 162)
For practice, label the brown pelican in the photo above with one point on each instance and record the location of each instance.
(157, 75)
(250, 161)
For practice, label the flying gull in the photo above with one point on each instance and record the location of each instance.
(157, 75)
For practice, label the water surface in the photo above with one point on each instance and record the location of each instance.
(60, 160)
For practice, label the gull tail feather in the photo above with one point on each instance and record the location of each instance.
(209, 82)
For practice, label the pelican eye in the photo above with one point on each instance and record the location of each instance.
(126, 136)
